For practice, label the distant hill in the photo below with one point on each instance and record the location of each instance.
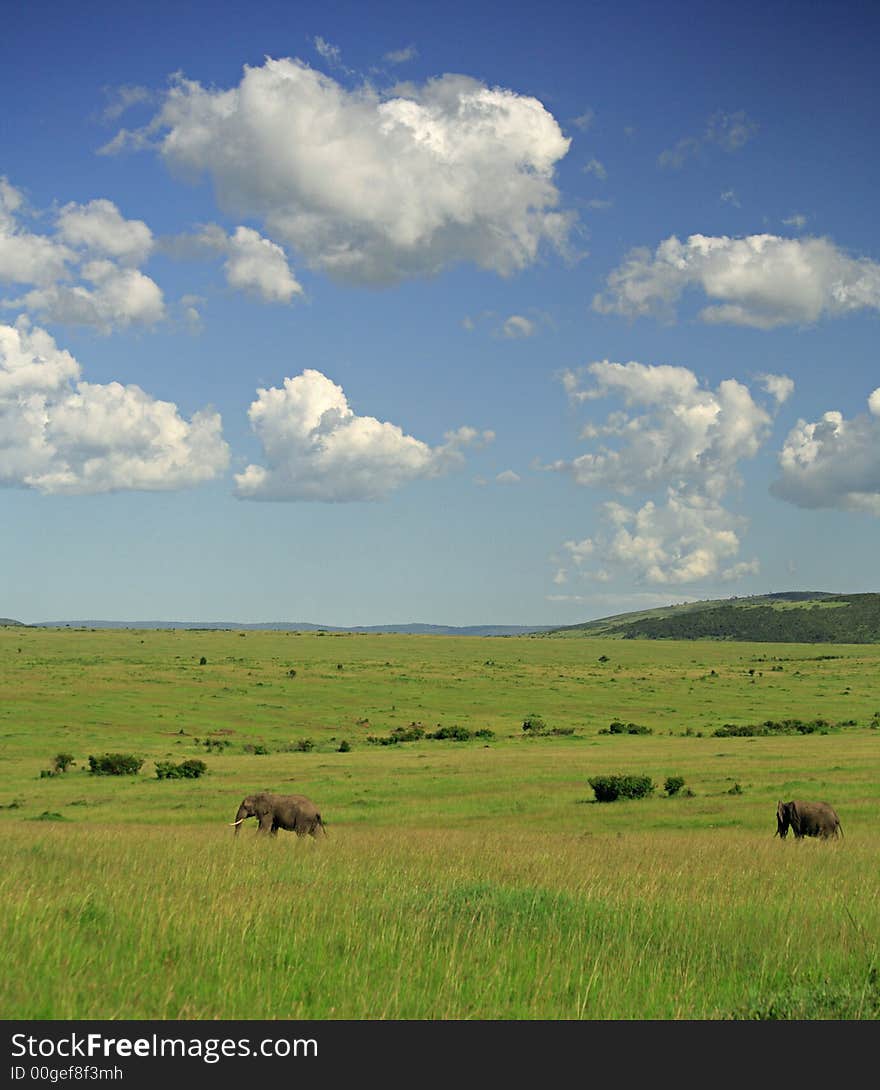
(785, 617)
(9, 622)
(306, 626)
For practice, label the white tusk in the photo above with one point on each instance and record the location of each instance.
(234, 823)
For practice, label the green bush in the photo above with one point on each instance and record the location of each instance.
(344, 746)
(534, 724)
(609, 788)
(454, 733)
(771, 727)
(305, 745)
(673, 784)
(186, 770)
(626, 728)
(62, 761)
(412, 733)
(115, 764)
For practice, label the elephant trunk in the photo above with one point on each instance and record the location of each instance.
(239, 818)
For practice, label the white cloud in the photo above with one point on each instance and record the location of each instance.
(796, 219)
(689, 434)
(253, 264)
(369, 187)
(317, 448)
(729, 197)
(401, 56)
(597, 169)
(100, 228)
(760, 280)
(780, 387)
(585, 120)
(122, 99)
(59, 434)
(85, 273)
(508, 476)
(331, 53)
(516, 327)
(833, 462)
(727, 131)
(685, 540)
(675, 438)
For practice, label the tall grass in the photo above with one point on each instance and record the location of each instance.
(387, 923)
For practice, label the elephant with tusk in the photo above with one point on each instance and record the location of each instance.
(807, 819)
(296, 813)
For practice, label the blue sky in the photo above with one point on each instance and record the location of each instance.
(466, 314)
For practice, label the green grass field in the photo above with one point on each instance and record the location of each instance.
(474, 879)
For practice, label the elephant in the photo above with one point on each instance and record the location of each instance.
(274, 812)
(807, 819)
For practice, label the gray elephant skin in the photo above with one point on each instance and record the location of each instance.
(807, 819)
(296, 813)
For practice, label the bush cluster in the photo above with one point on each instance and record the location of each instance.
(626, 728)
(609, 788)
(415, 732)
(115, 764)
(771, 726)
(186, 770)
(535, 727)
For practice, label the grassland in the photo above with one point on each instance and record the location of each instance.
(473, 879)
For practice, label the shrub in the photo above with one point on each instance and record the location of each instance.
(186, 770)
(454, 733)
(609, 788)
(770, 727)
(673, 784)
(203, 661)
(115, 764)
(484, 732)
(626, 728)
(412, 733)
(62, 761)
(304, 745)
(344, 746)
(258, 748)
(534, 724)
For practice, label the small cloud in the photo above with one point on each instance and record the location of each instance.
(332, 54)
(123, 98)
(730, 197)
(508, 477)
(517, 327)
(584, 120)
(599, 205)
(781, 387)
(728, 131)
(401, 56)
(597, 169)
(796, 219)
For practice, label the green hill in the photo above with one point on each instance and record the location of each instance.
(786, 617)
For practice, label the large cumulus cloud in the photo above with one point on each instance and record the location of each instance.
(833, 462)
(317, 448)
(679, 444)
(60, 434)
(372, 187)
(85, 272)
(761, 281)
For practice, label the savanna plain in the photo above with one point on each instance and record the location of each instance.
(470, 877)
